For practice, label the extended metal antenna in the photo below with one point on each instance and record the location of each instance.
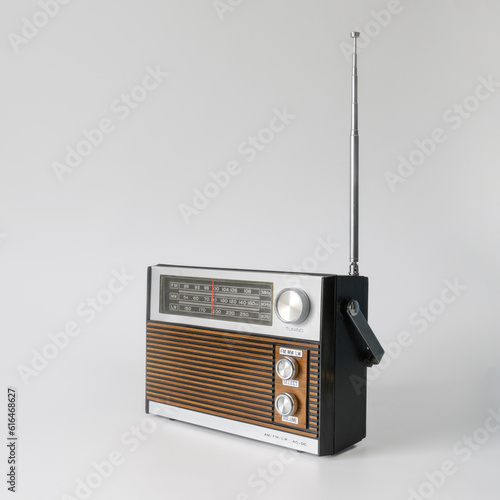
(353, 244)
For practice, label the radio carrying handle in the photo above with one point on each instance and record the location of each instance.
(375, 351)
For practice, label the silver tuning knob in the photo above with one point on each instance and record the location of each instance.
(292, 305)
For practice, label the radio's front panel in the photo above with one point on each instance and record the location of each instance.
(237, 351)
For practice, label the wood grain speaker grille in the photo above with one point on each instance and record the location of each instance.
(225, 374)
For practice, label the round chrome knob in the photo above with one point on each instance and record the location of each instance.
(285, 404)
(292, 305)
(286, 368)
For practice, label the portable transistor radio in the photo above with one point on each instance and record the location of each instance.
(273, 356)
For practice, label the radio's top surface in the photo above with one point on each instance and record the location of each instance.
(265, 302)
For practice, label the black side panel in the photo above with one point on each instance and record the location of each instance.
(350, 368)
(327, 358)
(148, 310)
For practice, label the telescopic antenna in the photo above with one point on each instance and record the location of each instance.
(354, 219)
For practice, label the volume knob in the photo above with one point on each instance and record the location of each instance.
(285, 404)
(292, 305)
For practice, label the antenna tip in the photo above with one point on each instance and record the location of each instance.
(354, 34)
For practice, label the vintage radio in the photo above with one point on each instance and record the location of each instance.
(277, 357)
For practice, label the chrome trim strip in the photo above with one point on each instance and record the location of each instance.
(280, 438)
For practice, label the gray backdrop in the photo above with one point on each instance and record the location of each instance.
(110, 165)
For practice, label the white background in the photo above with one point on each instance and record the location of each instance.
(118, 210)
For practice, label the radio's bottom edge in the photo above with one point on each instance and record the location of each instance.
(273, 436)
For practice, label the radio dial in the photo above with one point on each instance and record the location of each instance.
(292, 305)
(286, 368)
(286, 404)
